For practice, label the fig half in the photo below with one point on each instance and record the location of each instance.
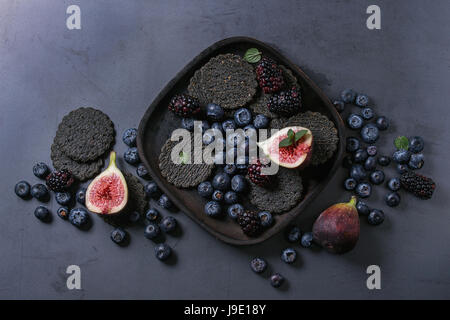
(295, 155)
(108, 192)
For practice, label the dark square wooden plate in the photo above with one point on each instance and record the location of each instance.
(158, 123)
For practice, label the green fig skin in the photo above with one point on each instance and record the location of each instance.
(337, 228)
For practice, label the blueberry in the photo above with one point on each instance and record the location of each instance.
(375, 217)
(208, 137)
(205, 189)
(63, 213)
(152, 214)
(347, 162)
(354, 121)
(234, 210)
(377, 177)
(357, 172)
(42, 213)
(22, 189)
(231, 197)
(213, 209)
(352, 144)
(218, 196)
(384, 161)
(350, 184)
(242, 117)
(152, 231)
(238, 183)
(261, 121)
(372, 150)
(80, 196)
(41, 170)
(162, 251)
(370, 133)
(168, 224)
(276, 280)
(63, 198)
(293, 234)
(401, 156)
(132, 156)
(78, 217)
(221, 181)
(217, 126)
(363, 190)
(230, 169)
(360, 156)
(348, 96)
(370, 164)
(165, 202)
(118, 235)
(250, 132)
(307, 240)
(394, 184)
(363, 208)
(416, 144)
(339, 105)
(129, 137)
(201, 125)
(258, 265)
(416, 161)
(289, 255)
(134, 217)
(392, 199)
(382, 123)
(266, 218)
(151, 190)
(367, 113)
(362, 100)
(214, 112)
(402, 168)
(188, 124)
(228, 125)
(142, 171)
(40, 192)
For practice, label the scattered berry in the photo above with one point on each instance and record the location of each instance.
(230, 169)
(363, 190)
(357, 172)
(367, 113)
(416, 144)
(214, 112)
(168, 224)
(242, 117)
(165, 202)
(261, 121)
(266, 218)
(401, 156)
(370, 133)
(348, 96)
(307, 240)
(293, 234)
(217, 196)
(234, 210)
(363, 208)
(80, 196)
(151, 190)
(42, 213)
(382, 123)
(375, 217)
(22, 189)
(352, 144)
(63, 198)
(392, 199)
(78, 217)
(205, 189)
(188, 124)
(362, 100)
(152, 214)
(421, 186)
(370, 164)
(276, 280)
(394, 184)
(59, 181)
(213, 209)
(372, 150)
(354, 121)
(221, 181)
(132, 156)
(384, 161)
(230, 197)
(228, 125)
(40, 192)
(118, 235)
(416, 161)
(129, 137)
(347, 162)
(134, 217)
(258, 265)
(184, 105)
(41, 170)
(377, 177)
(63, 213)
(142, 171)
(350, 184)
(289, 255)
(162, 251)
(339, 105)
(360, 156)
(152, 231)
(402, 168)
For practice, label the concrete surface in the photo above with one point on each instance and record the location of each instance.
(124, 55)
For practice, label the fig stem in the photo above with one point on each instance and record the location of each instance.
(112, 159)
(352, 201)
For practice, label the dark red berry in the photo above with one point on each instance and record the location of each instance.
(255, 175)
(184, 105)
(269, 75)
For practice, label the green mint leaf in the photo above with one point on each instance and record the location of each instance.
(291, 134)
(285, 143)
(252, 55)
(402, 143)
(300, 134)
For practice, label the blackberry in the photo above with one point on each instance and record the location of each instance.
(184, 105)
(286, 103)
(421, 186)
(269, 75)
(255, 176)
(59, 180)
(250, 223)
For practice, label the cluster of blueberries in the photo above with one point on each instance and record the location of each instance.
(362, 161)
(78, 216)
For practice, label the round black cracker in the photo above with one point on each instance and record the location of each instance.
(85, 134)
(182, 175)
(325, 134)
(137, 201)
(81, 171)
(259, 106)
(278, 123)
(282, 195)
(289, 78)
(226, 80)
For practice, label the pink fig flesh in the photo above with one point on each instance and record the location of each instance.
(337, 228)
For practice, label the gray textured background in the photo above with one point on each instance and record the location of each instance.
(125, 54)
